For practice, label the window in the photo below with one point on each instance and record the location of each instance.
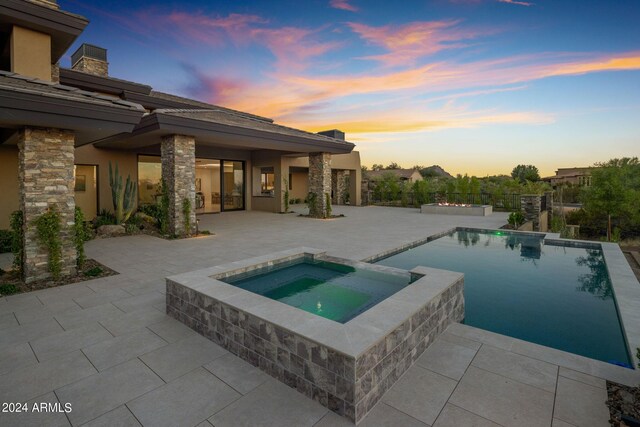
(267, 180)
(149, 179)
(584, 180)
(290, 182)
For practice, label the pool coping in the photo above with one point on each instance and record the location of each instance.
(352, 338)
(625, 286)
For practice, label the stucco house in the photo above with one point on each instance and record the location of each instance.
(410, 175)
(575, 176)
(60, 128)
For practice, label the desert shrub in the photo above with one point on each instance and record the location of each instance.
(17, 229)
(6, 237)
(80, 235)
(516, 219)
(93, 272)
(104, 217)
(48, 228)
(8, 289)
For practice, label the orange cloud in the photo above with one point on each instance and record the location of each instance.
(409, 42)
(416, 118)
(630, 62)
(343, 5)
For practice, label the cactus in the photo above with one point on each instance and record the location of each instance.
(123, 198)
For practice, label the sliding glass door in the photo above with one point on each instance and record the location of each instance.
(208, 198)
(219, 183)
(233, 179)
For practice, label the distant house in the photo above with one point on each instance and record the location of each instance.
(576, 176)
(411, 175)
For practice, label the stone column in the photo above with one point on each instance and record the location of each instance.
(549, 197)
(339, 186)
(178, 154)
(46, 177)
(530, 204)
(319, 182)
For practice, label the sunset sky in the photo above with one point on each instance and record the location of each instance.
(476, 86)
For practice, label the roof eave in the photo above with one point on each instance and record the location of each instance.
(204, 131)
(63, 27)
(18, 109)
(101, 84)
(177, 124)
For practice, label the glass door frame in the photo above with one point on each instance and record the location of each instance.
(244, 184)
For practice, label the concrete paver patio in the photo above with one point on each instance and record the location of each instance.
(106, 346)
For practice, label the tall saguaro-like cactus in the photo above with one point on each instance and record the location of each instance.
(123, 197)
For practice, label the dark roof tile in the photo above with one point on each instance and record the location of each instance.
(228, 117)
(19, 83)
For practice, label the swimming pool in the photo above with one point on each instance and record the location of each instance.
(334, 291)
(521, 286)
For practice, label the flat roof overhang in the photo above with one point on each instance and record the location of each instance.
(90, 121)
(153, 126)
(63, 27)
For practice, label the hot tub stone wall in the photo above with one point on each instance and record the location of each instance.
(382, 365)
(317, 371)
(342, 383)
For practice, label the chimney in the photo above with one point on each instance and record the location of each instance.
(333, 133)
(90, 59)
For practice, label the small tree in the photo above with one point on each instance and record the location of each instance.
(614, 191)
(524, 173)
(389, 186)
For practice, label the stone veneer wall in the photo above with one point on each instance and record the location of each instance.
(346, 385)
(531, 204)
(178, 156)
(92, 66)
(319, 181)
(339, 185)
(46, 158)
(55, 72)
(384, 363)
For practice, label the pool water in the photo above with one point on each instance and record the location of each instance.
(557, 296)
(334, 291)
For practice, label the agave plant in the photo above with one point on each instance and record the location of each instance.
(123, 196)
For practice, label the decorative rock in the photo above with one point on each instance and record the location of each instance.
(111, 230)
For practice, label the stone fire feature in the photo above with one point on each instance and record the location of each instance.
(345, 367)
(472, 210)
